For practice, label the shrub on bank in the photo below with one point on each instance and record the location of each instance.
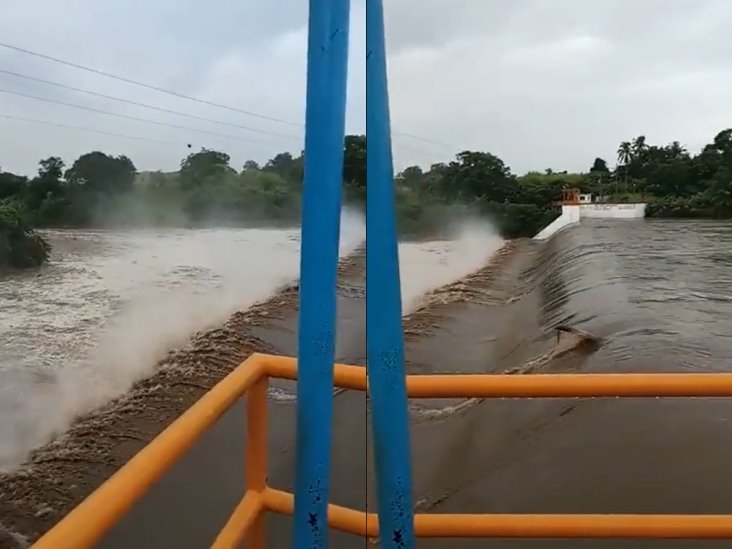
(20, 246)
(699, 206)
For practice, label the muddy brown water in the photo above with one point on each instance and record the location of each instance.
(657, 293)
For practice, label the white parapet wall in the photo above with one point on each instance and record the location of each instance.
(570, 216)
(613, 211)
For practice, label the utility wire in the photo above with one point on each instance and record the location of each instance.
(135, 118)
(184, 96)
(80, 128)
(423, 139)
(145, 105)
(425, 153)
(148, 86)
(91, 130)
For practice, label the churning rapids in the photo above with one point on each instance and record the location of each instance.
(111, 305)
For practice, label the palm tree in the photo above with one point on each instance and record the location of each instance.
(625, 157)
(639, 146)
(676, 150)
(625, 153)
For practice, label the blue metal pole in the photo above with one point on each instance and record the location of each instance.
(321, 203)
(384, 335)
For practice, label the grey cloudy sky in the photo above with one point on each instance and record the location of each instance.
(249, 54)
(554, 83)
(540, 83)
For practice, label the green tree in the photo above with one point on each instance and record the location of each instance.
(478, 175)
(250, 165)
(52, 168)
(639, 146)
(47, 185)
(720, 190)
(676, 150)
(723, 141)
(354, 160)
(102, 173)
(625, 157)
(411, 174)
(20, 246)
(599, 171)
(204, 166)
(286, 166)
(11, 184)
(599, 166)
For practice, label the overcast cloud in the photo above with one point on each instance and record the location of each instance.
(249, 54)
(540, 83)
(554, 83)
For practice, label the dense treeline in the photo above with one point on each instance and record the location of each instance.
(102, 190)
(674, 182)
(99, 190)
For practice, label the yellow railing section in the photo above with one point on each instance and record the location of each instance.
(87, 524)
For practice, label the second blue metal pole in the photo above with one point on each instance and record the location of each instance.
(324, 140)
(384, 336)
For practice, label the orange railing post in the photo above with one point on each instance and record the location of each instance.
(87, 524)
(256, 455)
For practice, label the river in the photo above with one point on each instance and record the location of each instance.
(111, 304)
(658, 294)
(655, 292)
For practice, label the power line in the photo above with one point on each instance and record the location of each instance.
(423, 139)
(88, 130)
(145, 105)
(80, 128)
(184, 96)
(148, 86)
(135, 118)
(100, 132)
(412, 148)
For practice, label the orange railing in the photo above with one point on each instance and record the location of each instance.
(88, 523)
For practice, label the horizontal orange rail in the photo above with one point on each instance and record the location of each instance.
(570, 385)
(434, 525)
(87, 524)
(527, 385)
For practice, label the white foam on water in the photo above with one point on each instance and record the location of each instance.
(426, 266)
(112, 304)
